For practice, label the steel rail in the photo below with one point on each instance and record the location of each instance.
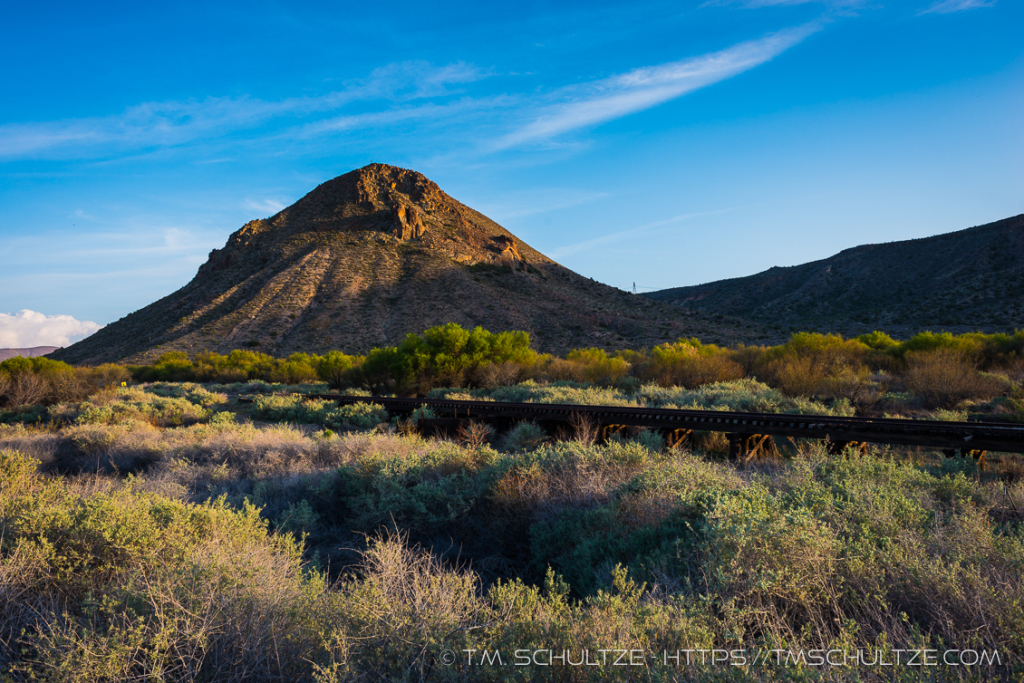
(965, 436)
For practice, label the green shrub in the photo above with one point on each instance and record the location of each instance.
(745, 395)
(362, 415)
(335, 368)
(689, 364)
(523, 436)
(135, 405)
(592, 366)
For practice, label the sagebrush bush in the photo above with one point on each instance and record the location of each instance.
(523, 436)
(136, 405)
(745, 395)
(565, 392)
(944, 377)
(313, 411)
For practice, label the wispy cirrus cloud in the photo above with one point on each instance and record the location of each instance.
(392, 97)
(656, 226)
(611, 98)
(267, 205)
(752, 4)
(951, 6)
(166, 124)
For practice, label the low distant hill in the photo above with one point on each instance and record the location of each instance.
(375, 254)
(27, 353)
(962, 281)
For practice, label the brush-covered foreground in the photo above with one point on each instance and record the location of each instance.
(168, 533)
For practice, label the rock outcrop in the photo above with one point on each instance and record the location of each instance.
(407, 223)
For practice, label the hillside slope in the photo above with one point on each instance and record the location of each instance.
(370, 256)
(962, 281)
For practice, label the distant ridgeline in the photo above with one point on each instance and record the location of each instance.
(962, 281)
(27, 353)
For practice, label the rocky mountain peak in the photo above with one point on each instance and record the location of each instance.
(379, 201)
(366, 258)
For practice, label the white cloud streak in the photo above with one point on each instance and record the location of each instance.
(266, 206)
(393, 96)
(587, 245)
(753, 4)
(951, 6)
(26, 329)
(618, 96)
(166, 124)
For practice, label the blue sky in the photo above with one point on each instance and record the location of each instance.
(659, 143)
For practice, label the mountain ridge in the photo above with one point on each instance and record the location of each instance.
(370, 256)
(960, 281)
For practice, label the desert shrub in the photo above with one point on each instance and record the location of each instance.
(122, 584)
(173, 366)
(237, 366)
(381, 372)
(501, 374)
(296, 369)
(597, 513)
(523, 436)
(812, 552)
(650, 439)
(27, 414)
(419, 492)
(24, 389)
(473, 434)
(39, 380)
(335, 368)
(688, 363)
(106, 376)
(944, 377)
(592, 365)
(423, 412)
(447, 355)
(878, 341)
(564, 392)
(131, 404)
(819, 365)
(193, 393)
(224, 417)
(561, 370)
(312, 411)
(407, 609)
(289, 409)
(362, 415)
(745, 395)
(969, 347)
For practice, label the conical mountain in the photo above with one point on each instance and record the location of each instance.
(365, 259)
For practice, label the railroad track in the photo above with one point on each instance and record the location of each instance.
(748, 433)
